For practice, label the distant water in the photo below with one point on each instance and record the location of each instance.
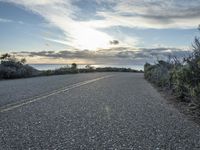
(47, 66)
(56, 66)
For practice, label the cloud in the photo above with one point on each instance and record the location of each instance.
(114, 42)
(60, 13)
(3, 20)
(154, 53)
(117, 55)
(78, 34)
(157, 14)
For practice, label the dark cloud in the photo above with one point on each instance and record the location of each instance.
(114, 55)
(155, 13)
(114, 42)
(172, 9)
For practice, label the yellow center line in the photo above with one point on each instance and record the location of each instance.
(58, 91)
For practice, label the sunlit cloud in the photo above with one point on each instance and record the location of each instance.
(60, 13)
(82, 33)
(156, 14)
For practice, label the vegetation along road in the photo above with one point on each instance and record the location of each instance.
(91, 111)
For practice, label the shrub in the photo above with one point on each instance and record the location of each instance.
(159, 73)
(182, 78)
(179, 80)
(11, 67)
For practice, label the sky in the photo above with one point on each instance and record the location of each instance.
(111, 32)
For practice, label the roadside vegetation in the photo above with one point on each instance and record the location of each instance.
(88, 69)
(181, 77)
(11, 68)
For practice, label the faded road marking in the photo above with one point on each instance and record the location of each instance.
(37, 98)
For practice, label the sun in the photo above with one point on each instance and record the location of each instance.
(91, 39)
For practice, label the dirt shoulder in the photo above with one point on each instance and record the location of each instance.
(186, 108)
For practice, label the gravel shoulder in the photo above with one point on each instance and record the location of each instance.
(190, 111)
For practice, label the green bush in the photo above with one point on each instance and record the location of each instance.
(11, 67)
(182, 78)
(159, 73)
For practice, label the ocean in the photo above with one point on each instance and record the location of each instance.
(56, 66)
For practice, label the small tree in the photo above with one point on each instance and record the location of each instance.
(23, 60)
(74, 66)
(5, 56)
(12, 67)
(89, 67)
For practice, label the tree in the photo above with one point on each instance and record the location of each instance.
(89, 67)
(23, 61)
(74, 66)
(5, 56)
(11, 67)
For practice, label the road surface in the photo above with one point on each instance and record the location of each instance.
(118, 111)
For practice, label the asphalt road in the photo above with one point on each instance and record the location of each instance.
(91, 111)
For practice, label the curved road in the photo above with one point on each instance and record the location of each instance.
(91, 111)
